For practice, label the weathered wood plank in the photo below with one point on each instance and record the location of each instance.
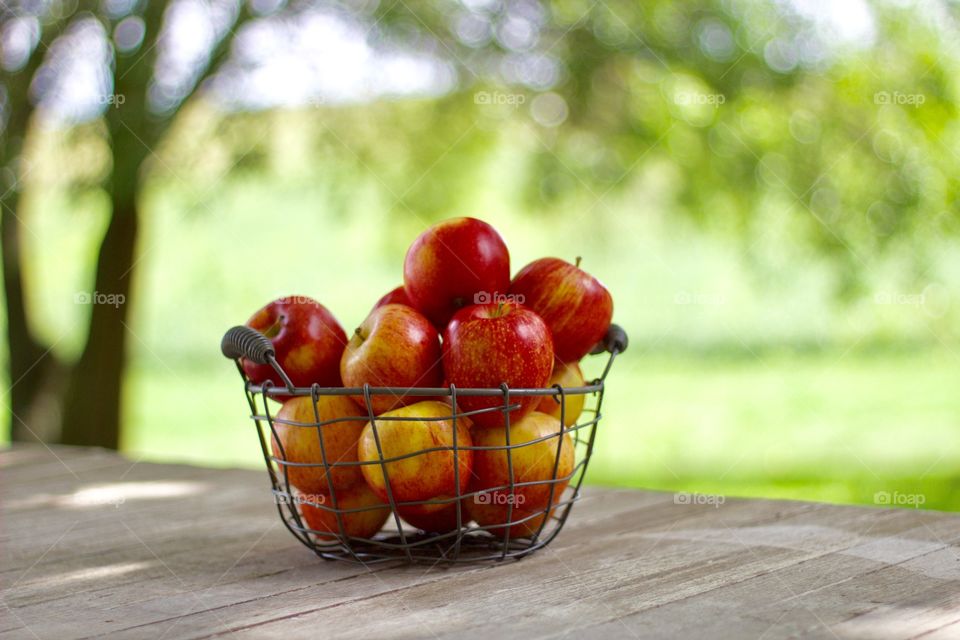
(631, 580)
(92, 544)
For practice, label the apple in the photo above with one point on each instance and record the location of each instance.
(397, 295)
(394, 347)
(442, 520)
(488, 344)
(574, 304)
(301, 444)
(531, 463)
(565, 375)
(427, 476)
(307, 343)
(358, 524)
(453, 264)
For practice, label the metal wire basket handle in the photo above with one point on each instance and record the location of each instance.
(244, 342)
(615, 341)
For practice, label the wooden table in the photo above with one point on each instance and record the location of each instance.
(95, 544)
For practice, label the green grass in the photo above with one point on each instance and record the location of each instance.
(816, 427)
(819, 426)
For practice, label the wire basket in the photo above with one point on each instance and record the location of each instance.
(518, 530)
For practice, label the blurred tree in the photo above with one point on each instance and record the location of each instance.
(92, 403)
(91, 391)
(32, 368)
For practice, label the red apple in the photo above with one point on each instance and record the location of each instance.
(565, 375)
(357, 524)
(394, 296)
(442, 520)
(489, 344)
(453, 264)
(307, 342)
(424, 476)
(574, 304)
(300, 440)
(394, 347)
(533, 463)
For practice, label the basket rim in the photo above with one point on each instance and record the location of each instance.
(271, 389)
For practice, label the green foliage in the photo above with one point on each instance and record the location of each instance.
(756, 110)
(744, 114)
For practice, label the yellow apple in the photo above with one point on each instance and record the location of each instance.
(565, 375)
(425, 476)
(301, 444)
(533, 462)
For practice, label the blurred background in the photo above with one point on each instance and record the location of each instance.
(769, 189)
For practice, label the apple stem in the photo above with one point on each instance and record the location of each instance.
(577, 263)
(499, 309)
(275, 328)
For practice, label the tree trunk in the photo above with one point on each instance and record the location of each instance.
(93, 402)
(35, 373)
(92, 405)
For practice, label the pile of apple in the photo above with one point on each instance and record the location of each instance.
(458, 319)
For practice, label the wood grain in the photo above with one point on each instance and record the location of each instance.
(94, 544)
